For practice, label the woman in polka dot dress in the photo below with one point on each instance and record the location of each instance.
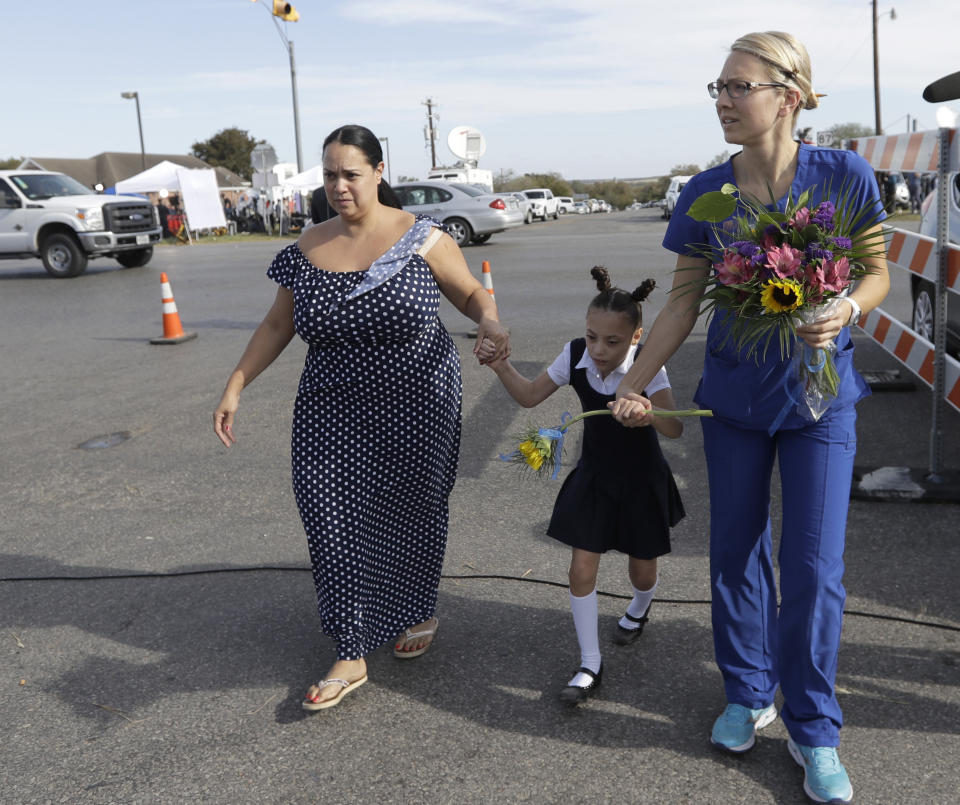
(376, 426)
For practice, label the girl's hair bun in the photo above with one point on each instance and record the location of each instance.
(642, 291)
(602, 276)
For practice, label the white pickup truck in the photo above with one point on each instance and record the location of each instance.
(543, 203)
(54, 217)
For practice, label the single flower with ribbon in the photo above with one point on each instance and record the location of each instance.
(540, 450)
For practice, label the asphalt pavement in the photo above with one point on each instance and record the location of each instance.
(163, 630)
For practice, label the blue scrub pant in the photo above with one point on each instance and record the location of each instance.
(758, 647)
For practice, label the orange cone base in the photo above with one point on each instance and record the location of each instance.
(178, 339)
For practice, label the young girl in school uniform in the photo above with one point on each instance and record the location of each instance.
(621, 495)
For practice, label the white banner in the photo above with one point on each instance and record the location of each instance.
(201, 198)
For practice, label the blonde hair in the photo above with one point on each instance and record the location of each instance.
(786, 62)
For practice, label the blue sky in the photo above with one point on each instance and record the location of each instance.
(591, 90)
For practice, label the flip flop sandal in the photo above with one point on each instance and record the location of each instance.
(408, 636)
(314, 702)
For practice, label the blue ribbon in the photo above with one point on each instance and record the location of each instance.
(555, 435)
(809, 352)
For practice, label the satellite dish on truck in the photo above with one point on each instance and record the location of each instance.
(467, 143)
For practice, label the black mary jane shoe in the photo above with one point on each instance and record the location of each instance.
(624, 637)
(574, 694)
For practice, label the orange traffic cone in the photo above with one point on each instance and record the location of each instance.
(488, 278)
(488, 287)
(172, 328)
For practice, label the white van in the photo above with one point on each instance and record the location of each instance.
(677, 183)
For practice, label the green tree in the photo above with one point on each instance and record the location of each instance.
(229, 148)
(684, 170)
(719, 159)
(850, 131)
(619, 194)
(10, 164)
(556, 183)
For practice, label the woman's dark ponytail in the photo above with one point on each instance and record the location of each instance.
(387, 196)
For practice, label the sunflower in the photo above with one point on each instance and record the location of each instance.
(781, 295)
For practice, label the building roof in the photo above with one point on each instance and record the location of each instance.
(111, 167)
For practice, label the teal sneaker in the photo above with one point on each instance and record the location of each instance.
(737, 726)
(824, 778)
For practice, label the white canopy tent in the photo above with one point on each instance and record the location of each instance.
(197, 187)
(310, 179)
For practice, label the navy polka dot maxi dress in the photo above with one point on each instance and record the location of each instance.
(376, 436)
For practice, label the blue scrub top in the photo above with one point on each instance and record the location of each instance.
(753, 392)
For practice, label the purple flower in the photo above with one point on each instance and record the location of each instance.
(823, 217)
(845, 244)
(815, 251)
(750, 251)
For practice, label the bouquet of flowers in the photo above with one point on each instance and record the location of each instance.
(541, 449)
(777, 271)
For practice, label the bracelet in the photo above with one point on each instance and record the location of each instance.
(855, 312)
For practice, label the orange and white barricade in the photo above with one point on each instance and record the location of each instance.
(936, 151)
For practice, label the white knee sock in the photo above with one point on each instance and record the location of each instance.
(585, 615)
(641, 600)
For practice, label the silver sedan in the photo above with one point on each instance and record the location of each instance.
(470, 213)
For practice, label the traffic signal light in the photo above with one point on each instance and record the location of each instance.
(285, 11)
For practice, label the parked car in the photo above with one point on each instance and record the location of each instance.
(544, 203)
(564, 204)
(677, 183)
(472, 215)
(581, 208)
(526, 207)
(923, 291)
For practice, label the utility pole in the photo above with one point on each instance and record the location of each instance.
(876, 74)
(431, 132)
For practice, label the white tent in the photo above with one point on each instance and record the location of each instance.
(197, 188)
(308, 180)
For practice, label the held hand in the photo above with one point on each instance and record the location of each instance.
(824, 330)
(490, 331)
(632, 410)
(223, 418)
(486, 351)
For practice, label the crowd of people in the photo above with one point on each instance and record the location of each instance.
(376, 425)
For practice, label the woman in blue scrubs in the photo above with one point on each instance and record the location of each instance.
(764, 83)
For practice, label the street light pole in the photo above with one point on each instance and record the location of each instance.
(296, 107)
(143, 153)
(293, 74)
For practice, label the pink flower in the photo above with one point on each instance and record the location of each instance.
(800, 218)
(814, 283)
(836, 274)
(734, 269)
(783, 261)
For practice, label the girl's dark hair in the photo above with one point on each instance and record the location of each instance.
(618, 300)
(361, 137)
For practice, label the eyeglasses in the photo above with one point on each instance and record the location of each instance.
(737, 89)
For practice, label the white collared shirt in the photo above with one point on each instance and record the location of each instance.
(559, 373)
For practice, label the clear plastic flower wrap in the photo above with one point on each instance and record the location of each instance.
(814, 366)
